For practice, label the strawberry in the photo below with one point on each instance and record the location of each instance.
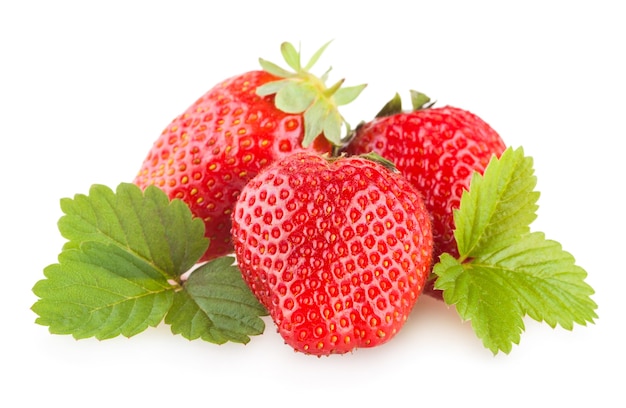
(207, 154)
(337, 250)
(436, 149)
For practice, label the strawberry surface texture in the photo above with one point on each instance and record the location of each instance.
(437, 150)
(207, 154)
(337, 249)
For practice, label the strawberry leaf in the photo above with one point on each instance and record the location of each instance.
(102, 291)
(482, 295)
(145, 224)
(505, 271)
(501, 207)
(121, 271)
(216, 305)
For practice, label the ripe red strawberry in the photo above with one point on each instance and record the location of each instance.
(436, 149)
(207, 154)
(337, 250)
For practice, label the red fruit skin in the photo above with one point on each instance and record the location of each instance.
(437, 150)
(338, 252)
(208, 153)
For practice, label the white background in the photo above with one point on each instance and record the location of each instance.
(86, 88)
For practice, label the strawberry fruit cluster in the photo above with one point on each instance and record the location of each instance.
(260, 199)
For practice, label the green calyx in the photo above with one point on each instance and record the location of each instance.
(394, 106)
(299, 91)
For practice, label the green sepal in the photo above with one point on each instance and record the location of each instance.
(275, 69)
(322, 119)
(344, 96)
(300, 92)
(291, 56)
(377, 158)
(316, 56)
(271, 88)
(419, 100)
(295, 97)
(394, 106)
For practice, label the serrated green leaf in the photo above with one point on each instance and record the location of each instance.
(99, 290)
(187, 319)
(504, 271)
(295, 97)
(482, 296)
(146, 224)
(216, 305)
(549, 286)
(344, 96)
(501, 206)
(125, 254)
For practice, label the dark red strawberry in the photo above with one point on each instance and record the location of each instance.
(436, 149)
(207, 154)
(338, 250)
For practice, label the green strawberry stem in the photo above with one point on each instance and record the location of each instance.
(299, 91)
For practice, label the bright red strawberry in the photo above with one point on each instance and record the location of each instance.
(207, 154)
(338, 250)
(436, 149)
